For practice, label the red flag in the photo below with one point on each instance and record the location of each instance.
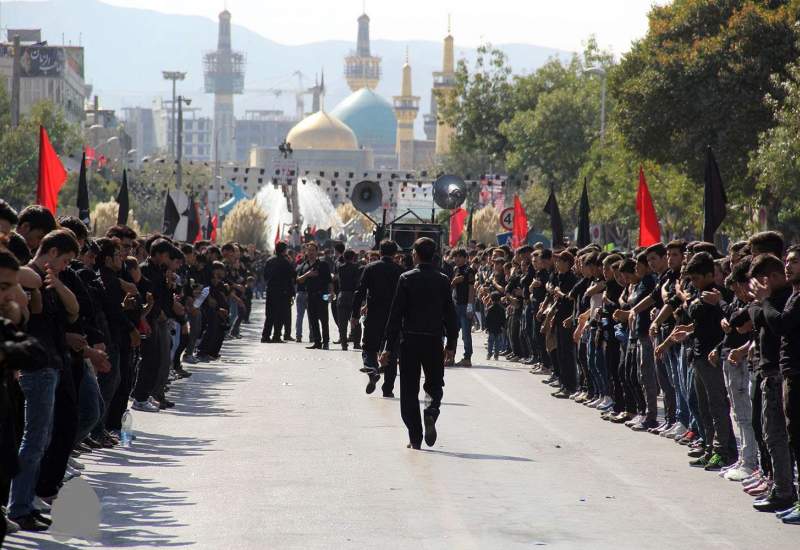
(51, 173)
(649, 232)
(213, 235)
(520, 228)
(278, 234)
(457, 219)
(102, 161)
(90, 154)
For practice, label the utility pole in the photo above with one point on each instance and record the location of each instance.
(174, 76)
(179, 155)
(15, 83)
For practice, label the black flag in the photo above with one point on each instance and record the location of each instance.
(714, 198)
(584, 238)
(556, 225)
(171, 216)
(469, 224)
(193, 222)
(122, 200)
(83, 194)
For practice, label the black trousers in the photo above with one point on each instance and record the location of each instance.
(344, 310)
(318, 316)
(420, 354)
(568, 372)
(278, 315)
(126, 376)
(791, 408)
(764, 459)
(148, 366)
(65, 428)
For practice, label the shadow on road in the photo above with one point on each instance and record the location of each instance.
(478, 456)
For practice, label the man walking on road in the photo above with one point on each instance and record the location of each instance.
(377, 287)
(422, 311)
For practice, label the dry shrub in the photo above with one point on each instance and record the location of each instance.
(246, 224)
(104, 216)
(486, 225)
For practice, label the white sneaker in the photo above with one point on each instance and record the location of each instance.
(144, 406)
(189, 359)
(677, 430)
(11, 526)
(41, 505)
(152, 400)
(738, 474)
(594, 403)
(75, 464)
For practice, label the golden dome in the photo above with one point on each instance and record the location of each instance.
(322, 131)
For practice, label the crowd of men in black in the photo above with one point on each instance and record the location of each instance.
(92, 328)
(716, 336)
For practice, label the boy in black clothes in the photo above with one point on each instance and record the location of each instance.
(495, 321)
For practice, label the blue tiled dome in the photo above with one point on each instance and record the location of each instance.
(371, 117)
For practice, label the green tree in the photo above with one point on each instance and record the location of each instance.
(775, 165)
(480, 102)
(698, 78)
(19, 148)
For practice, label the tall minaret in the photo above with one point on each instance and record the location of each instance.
(362, 70)
(224, 77)
(406, 107)
(443, 85)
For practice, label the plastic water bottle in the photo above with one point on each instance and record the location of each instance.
(326, 297)
(126, 432)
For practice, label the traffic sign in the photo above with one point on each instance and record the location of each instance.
(507, 219)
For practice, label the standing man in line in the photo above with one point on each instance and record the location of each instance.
(279, 276)
(315, 274)
(463, 284)
(377, 287)
(422, 312)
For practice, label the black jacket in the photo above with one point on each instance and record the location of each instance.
(279, 276)
(378, 284)
(422, 306)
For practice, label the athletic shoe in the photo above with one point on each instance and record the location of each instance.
(30, 523)
(75, 464)
(39, 504)
(11, 526)
(635, 420)
(716, 463)
(793, 518)
(677, 430)
(144, 406)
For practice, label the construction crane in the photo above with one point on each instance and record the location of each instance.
(300, 92)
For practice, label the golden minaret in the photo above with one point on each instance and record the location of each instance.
(361, 68)
(406, 107)
(444, 85)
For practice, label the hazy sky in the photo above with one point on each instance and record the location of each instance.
(563, 24)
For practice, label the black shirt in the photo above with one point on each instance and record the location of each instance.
(320, 283)
(279, 276)
(49, 326)
(422, 306)
(377, 286)
(771, 326)
(565, 282)
(348, 275)
(707, 329)
(461, 290)
(642, 290)
(495, 319)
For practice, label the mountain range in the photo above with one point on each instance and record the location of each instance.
(126, 49)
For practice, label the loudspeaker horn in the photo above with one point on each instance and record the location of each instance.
(449, 191)
(367, 196)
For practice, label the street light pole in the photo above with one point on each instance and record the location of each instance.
(600, 71)
(179, 155)
(174, 76)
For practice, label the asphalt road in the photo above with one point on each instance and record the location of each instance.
(277, 446)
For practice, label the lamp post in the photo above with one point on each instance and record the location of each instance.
(179, 153)
(174, 76)
(600, 71)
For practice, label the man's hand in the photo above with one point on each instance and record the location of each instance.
(726, 326)
(75, 341)
(738, 355)
(654, 328)
(449, 356)
(99, 360)
(713, 358)
(129, 302)
(759, 289)
(384, 358)
(711, 297)
(136, 339)
(51, 280)
(128, 287)
(621, 315)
